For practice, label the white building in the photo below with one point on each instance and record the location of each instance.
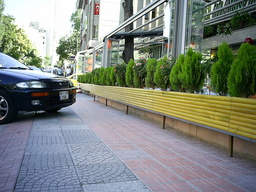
(42, 40)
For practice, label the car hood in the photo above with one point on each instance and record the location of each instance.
(17, 75)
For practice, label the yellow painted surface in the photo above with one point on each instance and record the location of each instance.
(235, 115)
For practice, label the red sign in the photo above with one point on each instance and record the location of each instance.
(96, 9)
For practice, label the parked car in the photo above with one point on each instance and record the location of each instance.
(22, 89)
(74, 77)
(35, 68)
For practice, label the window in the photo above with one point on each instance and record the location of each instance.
(95, 31)
(153, 13)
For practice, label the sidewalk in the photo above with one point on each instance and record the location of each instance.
(93, 147)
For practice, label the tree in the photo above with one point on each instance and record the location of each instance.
(242, 76)
(220, 69)
(120, 74)
(32, 59)
(111, 79)
(146, 51)
(1, 15)
(139, 73)
(129, 73)
(8, 33)
(75, 20)
(150, 68)
(175, 73)
(192, 75)
(67, 46)
(19, 46)
(162, 73)
(1, 7)
(129, 41)
(15, 42)
(103, 76)
(47, 61)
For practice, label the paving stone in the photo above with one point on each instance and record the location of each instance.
(35, 141)
(64, 154)
(33, 163)
(129, 186)
(75, 151)
(80, 136)
(105, 173)
(62, 179)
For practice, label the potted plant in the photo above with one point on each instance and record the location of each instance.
(139, 73)
(242, 76)
(120, 74)
(221, 68)
(150, 68)
(129, 74)
(241, 19)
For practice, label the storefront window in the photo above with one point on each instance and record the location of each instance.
(79, 64)
(88, 62)
(114, 52)
(98, 58)
(195, 26)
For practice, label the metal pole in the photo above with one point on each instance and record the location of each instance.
(179, 32)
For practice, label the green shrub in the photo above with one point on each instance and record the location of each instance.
(192, 75)
(120, 71)
(162, 73)
(220, 69)
(175, 72)
(85, 78)
(139, 73)
(150, 68)
(103, 76)
(129, 74)
(96, 76)
(110, 79)
(81, 78)
(242, 19)
(242, 76)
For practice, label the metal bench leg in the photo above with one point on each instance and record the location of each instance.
(231, 143)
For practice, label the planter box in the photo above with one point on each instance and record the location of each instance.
(213, 118)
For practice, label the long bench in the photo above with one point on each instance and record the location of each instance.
(233, 116)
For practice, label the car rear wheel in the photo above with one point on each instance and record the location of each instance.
(7, 111)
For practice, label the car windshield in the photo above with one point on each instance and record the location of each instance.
(7, 62)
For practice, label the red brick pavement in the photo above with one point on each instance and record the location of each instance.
(166, 160)
(13, 140)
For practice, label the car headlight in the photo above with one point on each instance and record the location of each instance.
(31, 84)
(71, 84)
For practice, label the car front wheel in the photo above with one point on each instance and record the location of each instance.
(7, 111)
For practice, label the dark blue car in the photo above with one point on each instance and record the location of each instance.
(23, 89)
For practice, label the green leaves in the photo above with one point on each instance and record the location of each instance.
(67, 46)
(242, 76)
(14, 42)
(129, 73)
(192, 72)
(176, 73)
(163, 70)
(220, 69)
(150, 68)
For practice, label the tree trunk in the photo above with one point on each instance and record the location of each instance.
(129, 40)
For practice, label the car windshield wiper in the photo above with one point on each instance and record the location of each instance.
(18, 68)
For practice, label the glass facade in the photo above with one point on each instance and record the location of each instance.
(164, 28)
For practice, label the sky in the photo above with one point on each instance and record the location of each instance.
(43, 11)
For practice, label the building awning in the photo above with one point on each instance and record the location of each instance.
(137, 34)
